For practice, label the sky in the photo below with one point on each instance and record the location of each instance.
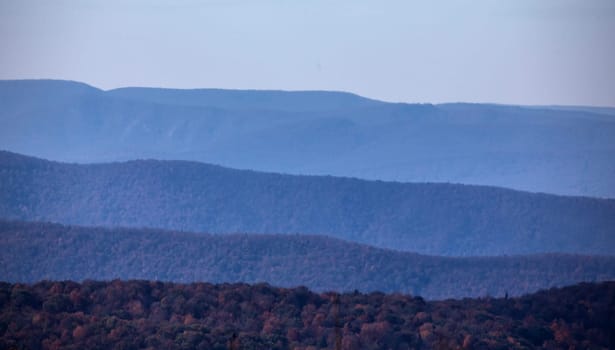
(531, 52)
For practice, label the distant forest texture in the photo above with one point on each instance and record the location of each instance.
(560, 150)
(148, 314)
(438, 219)
(35, 251)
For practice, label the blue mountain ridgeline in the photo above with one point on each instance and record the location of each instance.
(553, 149)
(428, 218)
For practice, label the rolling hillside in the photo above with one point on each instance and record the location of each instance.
(440, 219)
(561, 150)
(36, 251)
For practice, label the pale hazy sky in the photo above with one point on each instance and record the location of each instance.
(502, 51)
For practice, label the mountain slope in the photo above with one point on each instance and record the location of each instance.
(561, 150)
(439, 219)
(36, 251)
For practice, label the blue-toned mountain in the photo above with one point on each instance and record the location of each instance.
(560, 150)
(39, 251)
(441, 219)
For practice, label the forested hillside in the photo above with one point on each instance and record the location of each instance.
(35, 251)
(561, 150)
(440, 219)
(147, 314)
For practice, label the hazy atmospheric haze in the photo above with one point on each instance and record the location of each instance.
(514, 52)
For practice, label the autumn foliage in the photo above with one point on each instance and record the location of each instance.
(155, 315)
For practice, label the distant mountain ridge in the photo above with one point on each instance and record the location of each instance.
(440, 219)
(257, 100)
(38, 251)
(552, 149)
